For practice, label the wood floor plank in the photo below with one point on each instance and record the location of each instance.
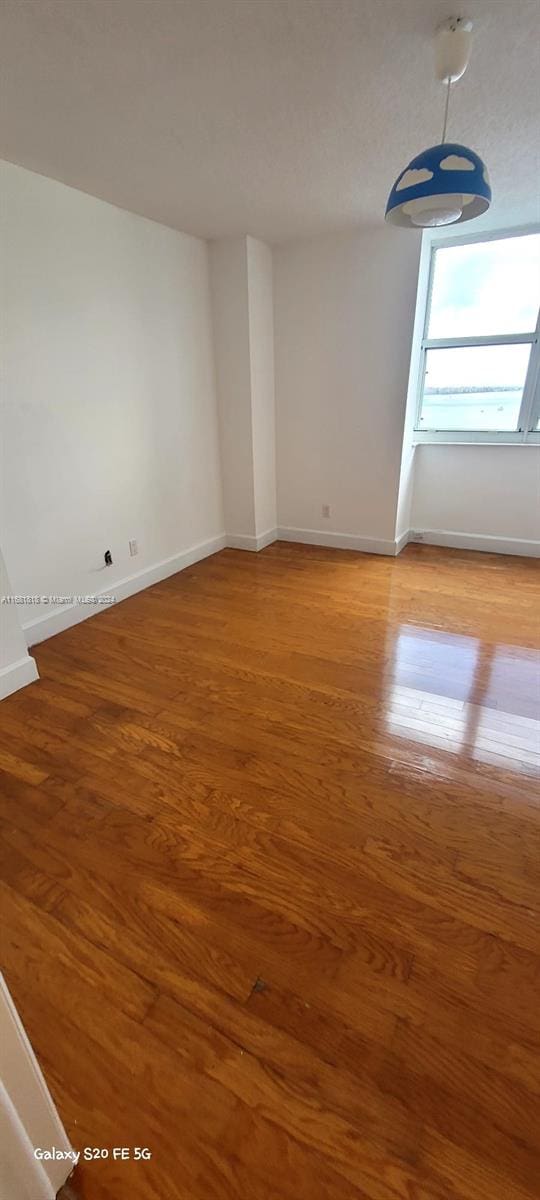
(271, 882)
(78, 966)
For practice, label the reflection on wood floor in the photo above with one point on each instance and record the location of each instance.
(469, 718)
(272, 877)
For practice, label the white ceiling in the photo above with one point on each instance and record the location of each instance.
(273, 117)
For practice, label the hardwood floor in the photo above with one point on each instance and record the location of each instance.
(271, 879)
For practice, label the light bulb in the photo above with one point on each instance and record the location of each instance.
(431, 211)
(430, 220)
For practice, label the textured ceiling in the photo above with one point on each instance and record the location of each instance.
(274, 117)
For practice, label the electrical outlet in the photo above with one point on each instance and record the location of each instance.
(133, 547)
(326, 510)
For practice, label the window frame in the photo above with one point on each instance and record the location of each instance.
(529, 413)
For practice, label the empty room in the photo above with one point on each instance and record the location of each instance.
(269, 600)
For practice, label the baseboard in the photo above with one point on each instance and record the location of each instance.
(487, 543)
(46, 626)
(246, 541)
(17, 675)
(339, 541)
(266, 539)
(402, 541)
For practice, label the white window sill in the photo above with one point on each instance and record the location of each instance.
(451, 439)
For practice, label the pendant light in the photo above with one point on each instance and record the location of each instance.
(446, 183)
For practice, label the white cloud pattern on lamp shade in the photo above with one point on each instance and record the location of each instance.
(486, 176)
(456, 162)
(413, 177)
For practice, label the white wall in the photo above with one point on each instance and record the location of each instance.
(241, 275)
(261, 336)
(17, 668)
(230, 310)
(492, 491)
(343, 318)
(407, 469)
(12, 640)
(110, 414)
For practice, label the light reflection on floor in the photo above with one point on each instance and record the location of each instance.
(474, 700)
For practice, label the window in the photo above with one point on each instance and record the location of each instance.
(479, 362)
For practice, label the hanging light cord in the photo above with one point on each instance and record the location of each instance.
(449, 85)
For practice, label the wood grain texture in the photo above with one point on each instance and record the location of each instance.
(271, 878)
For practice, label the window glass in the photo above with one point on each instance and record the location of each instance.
(486, 288)
(474, 387)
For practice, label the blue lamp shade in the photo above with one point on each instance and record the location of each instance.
(441, 186)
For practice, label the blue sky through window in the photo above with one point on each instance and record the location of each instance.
(486, 288)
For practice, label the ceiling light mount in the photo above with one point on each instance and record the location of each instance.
(453, 44)
(446, 183)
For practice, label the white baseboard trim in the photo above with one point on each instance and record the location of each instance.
(246, 541)
(476, 541)
(17, 675)
(338, 541)
(403, 540)
(266, 539)
(43, 627)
